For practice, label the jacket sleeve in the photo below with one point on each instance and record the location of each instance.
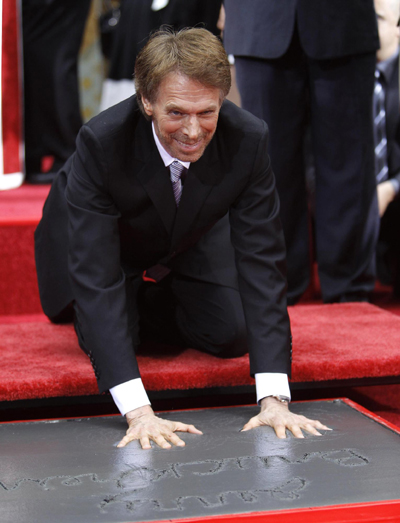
(258, 242)
(97, 280)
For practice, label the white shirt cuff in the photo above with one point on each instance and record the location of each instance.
(271, 384)
(129, 395)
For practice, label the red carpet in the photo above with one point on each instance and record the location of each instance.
(24, 205)
(344, 339)
(20, 212)
(332, 342)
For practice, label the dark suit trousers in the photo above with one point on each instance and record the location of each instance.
(185, 312)
(334, 97)
(52, 35)
(191, 313)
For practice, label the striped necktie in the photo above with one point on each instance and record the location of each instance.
(381, 163)
(176, 170)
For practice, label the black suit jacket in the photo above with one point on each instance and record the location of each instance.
(122, 219)
(327, 28)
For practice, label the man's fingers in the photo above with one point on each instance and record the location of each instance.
(162, 432)
(125, 440)
(252, 424)
(161, 441)
(145, 443)
(280, 431)
(311, 429)
(320, 426)
(183, 427)
(175, 440)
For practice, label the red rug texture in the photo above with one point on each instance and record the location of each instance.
(330, 342)
(20, 212)
(23, 205)
(383, 400)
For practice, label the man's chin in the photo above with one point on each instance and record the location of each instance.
(190, 157)
(187, 155)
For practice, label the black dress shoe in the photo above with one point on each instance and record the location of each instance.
(40, 178)
(353, 296)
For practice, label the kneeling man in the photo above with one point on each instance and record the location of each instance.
(176, 182)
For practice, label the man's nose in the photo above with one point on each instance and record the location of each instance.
(192, 127)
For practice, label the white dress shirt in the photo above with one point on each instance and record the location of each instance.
(131, 394)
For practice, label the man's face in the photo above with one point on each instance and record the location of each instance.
(388, 13)
(185, 116)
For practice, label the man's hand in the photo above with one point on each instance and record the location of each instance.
(386, 194)
(276, 414)
(144, 425)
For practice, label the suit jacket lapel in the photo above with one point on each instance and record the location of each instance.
(153, 174)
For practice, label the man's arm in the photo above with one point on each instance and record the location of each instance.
(257, 238)
(99, 289)
(97, 279)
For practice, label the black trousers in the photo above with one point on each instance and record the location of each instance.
(190, 313)
(183, 312)
(334, 97)
(388, 251)
(52, 35)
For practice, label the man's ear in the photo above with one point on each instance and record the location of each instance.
(148, 107)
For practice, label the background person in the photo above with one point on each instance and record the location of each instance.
(306, 61)
(387, 124)
(52, 35)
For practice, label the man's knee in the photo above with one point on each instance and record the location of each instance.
(232, 343)
(224, 339)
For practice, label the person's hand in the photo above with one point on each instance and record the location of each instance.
(386, 194)
(145, 426)
(277, 415)
(221, 20)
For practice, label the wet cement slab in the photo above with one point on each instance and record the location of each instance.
(71, 471)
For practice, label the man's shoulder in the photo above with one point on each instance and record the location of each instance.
(116, 119)
(234, 119)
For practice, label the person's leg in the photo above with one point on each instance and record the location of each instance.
(276, 91)
(346, 206)
(191, 313)
(210, 317)
(52, 34)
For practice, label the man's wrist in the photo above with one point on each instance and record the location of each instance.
(129, 395)
(271, 384)
(281, 398)
(139, 412)
(272, 401)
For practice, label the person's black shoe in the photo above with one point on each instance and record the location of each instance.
(40, 178)
(353, 296)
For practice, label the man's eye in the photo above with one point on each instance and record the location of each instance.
(176, 113)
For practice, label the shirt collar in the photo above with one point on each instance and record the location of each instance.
(166, 157)
(387, 66)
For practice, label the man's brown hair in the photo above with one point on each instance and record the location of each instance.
(194, 52)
